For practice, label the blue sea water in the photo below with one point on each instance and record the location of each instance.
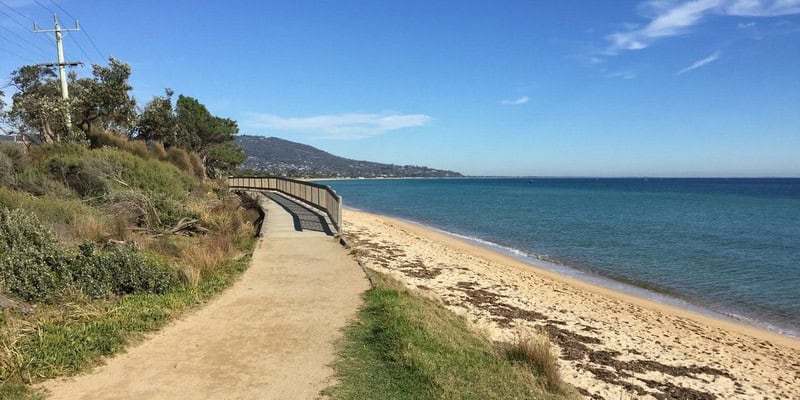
(727, 246)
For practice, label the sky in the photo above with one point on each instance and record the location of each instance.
(522, 88)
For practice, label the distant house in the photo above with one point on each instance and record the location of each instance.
(13, 139)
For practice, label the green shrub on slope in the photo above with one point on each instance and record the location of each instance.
(32, 265)
(118, 271)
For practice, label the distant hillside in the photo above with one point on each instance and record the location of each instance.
(282, 157)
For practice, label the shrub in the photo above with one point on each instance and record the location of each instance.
(118, 271)
(68, 216)
(38, 183)
(6, 170)
(13, 152)
(146, 210)
(99, 139)
(87, 177)
(180, 158)
(32, 264)
(536, 353)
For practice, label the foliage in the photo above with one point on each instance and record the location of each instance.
(38, 109)
(120, 270)
(158, 121)
(40, 112)
(32, 265)
(223, 157)
(6, 170)
(104, 100)
(70, 339)
(198, 129)
(405, 347)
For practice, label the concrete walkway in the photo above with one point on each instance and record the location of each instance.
(270, 336)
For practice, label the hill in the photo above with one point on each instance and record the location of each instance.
(282, 157)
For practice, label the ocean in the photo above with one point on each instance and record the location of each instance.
(725, 247)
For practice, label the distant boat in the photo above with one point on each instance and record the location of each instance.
(530, 180)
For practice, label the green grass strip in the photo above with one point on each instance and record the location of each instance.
(405, 347)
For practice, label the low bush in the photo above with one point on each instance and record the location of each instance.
(118, 271)
(180, 158)
(72, 220)
(15, 153)
(7, 170)
(38, 183)
(88, 177)
(33, 266)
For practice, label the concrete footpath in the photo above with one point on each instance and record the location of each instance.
(269, 336)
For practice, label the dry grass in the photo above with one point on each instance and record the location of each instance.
(536, 353)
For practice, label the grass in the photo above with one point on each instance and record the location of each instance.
(73, 337)
(105, 196)
(406, 347)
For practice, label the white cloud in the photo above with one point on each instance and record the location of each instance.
(515, 102)
(622, 75)
(337, 126)
(668, 18)
(700, 63)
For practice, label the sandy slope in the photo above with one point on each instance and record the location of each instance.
(613, 346)
(270, 336)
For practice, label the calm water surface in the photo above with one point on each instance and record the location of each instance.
(727, 245)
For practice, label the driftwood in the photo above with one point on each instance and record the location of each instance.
(186, 226)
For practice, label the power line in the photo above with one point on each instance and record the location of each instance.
(17, 21)
(50, 10)
(14, 53)
(33, 46)
(81, 49)
(28, 57)
(85, 33)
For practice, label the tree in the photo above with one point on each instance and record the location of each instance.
(104, 100)
(223, 157)
(200, 131)
(38, 111)
(158, 121)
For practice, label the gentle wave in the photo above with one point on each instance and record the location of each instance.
(545, 262)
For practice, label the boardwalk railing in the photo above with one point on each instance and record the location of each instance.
(319, 196)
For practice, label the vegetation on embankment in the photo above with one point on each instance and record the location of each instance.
(102, 243)
(405, 347)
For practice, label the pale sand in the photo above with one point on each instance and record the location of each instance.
(613, 345)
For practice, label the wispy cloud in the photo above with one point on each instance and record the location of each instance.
(700, 63)
(670, 18)
(337, 126)
(515, 102)
(623, 75)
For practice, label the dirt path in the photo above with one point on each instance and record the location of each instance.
(270, 336)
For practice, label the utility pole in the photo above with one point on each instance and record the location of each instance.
(62, 70)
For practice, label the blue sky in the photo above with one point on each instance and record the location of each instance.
(558, 88)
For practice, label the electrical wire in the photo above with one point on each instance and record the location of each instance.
(33, 46)
(81, 48)
(46, 38)
(83, 29)
(13, 52)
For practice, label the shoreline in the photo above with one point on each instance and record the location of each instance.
(695, 312)
(595, 280)
(612, 343)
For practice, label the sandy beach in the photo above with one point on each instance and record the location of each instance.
(612, 345)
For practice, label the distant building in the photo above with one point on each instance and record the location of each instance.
(13, 139)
